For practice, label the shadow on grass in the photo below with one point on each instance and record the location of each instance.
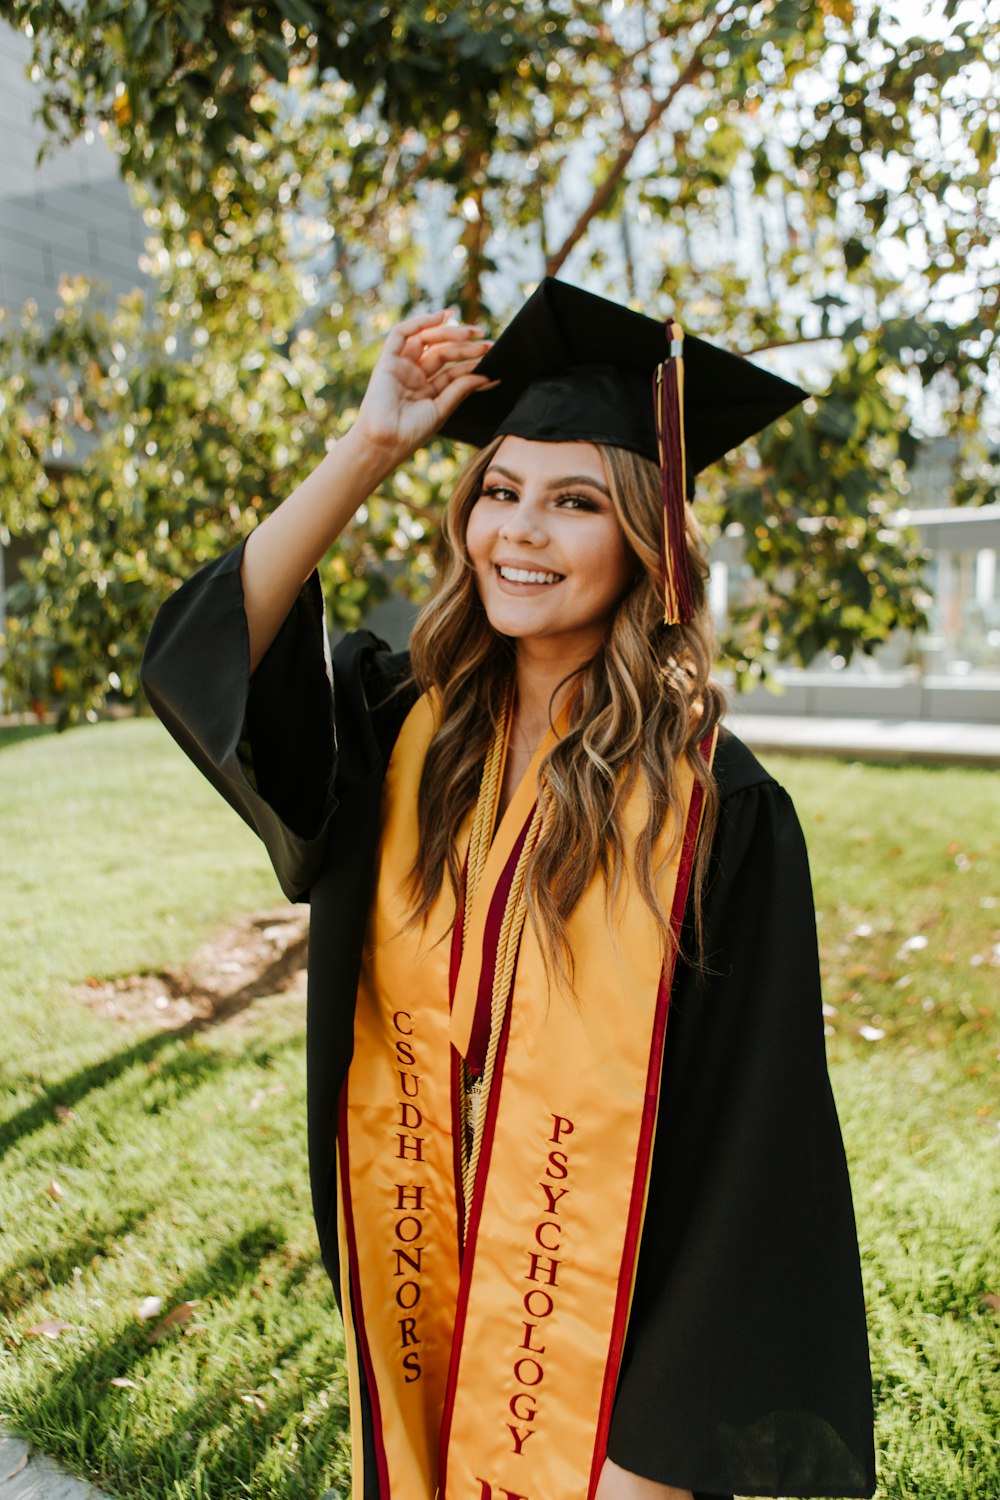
(74, 1409)
(46, 1269)
(192, 1067)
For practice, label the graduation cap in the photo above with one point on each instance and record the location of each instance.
(574, 367)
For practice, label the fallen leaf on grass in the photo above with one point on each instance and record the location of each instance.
(50, 1329)
(150, 1307)
(55, 1191)
(991, 1300)
(123, 1380)
(64, 1113)
(176, 1318)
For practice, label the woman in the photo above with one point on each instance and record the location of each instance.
(576, 1256)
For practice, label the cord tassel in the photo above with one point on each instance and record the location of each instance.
(669, 405)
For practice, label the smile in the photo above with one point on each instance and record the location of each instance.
(526, 575)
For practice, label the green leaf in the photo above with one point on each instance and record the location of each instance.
(300, 14)
(274, 56)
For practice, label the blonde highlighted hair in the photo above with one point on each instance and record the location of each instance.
(642, 702)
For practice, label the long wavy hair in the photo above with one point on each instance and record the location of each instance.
(642, 702)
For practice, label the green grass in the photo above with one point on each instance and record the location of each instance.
(900, 855)
(16, 734)
(182, 1164)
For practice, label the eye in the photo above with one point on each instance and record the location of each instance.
(498, 492)
(577, 502)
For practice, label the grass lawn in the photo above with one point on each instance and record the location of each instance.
(142, 1165)
(16, 734)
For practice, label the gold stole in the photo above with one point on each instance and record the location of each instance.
(491, 1358)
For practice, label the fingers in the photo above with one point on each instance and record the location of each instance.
(420, 345)
(455, 370)
(455, 392)
(451, 331)
(426, 328)
(436, 356)
(398, 335)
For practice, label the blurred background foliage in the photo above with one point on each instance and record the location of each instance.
(311, 173)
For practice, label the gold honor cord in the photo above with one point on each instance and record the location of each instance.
(475, 1096)
(486, 804)
(668, 402)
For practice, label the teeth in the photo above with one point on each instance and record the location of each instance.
(522, 575)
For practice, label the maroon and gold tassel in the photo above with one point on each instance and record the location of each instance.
(669, 402)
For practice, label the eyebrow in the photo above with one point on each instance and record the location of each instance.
(556, 484)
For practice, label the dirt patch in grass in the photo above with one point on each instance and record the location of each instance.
(261, 953)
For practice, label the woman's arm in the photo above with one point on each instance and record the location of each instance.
(424, 371)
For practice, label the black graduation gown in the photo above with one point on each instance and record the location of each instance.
(745, 1367)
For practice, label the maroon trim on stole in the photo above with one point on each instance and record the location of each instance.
(479, 1036)
(381, 1463)
(484, 1005)
(465, 1278)
(456, 1070)
(491, 941)
(645, 1146)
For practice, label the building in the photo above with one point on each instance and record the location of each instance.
(949, 672)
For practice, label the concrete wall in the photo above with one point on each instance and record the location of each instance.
(888, 695)
(71, 214)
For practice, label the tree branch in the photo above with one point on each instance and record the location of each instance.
(425, 513)
(475, 232)
(633, 137)
(813, 338)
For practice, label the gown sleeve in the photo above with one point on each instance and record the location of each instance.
(270, 744)
(746, 1366)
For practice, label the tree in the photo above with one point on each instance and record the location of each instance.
(311, 173)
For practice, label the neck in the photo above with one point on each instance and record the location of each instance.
(544, 685)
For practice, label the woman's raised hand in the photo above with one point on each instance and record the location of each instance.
(424, 371)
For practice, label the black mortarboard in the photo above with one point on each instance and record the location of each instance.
(574, 367)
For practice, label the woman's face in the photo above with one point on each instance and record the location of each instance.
(550, 558)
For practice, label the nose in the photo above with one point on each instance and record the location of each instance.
(522, 525)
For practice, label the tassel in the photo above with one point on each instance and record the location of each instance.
(669, 403)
